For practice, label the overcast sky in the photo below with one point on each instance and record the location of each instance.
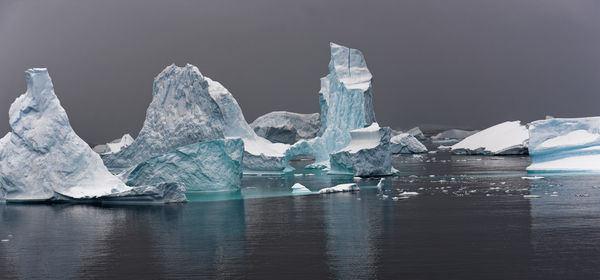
(467, 63)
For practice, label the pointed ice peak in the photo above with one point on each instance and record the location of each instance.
(39, 84)
(43, 156)
(186, 76)
(350, 67)
(182, 112)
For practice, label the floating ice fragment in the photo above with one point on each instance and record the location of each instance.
(409, 193)
(380, 184)
(350, 187)
(532, 177)
(298, 188)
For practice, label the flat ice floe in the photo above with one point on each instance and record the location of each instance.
(350, 187)
(507, 138)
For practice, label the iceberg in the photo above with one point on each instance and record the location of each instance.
(42, 159)
(287, 127)
(204, 166)
(188, 108)
(454, 134)
(114, 146)
(507, 138)
(565, 145)
(405, 143)
(182, 112)
(346, 104)
(368, 154)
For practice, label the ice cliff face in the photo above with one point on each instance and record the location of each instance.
(507, 138)
(204, 166)
(565, 145)
(287, 127)
(368, 154)
(182, 112)
(346, 104)
(42, 158)
(405, 143)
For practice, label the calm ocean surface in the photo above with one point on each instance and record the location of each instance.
(470, 221)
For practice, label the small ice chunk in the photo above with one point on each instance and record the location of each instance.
(531, 196)
(298, 188)
(409, 193)
(380, 184)
(532, 177)
(350, 187)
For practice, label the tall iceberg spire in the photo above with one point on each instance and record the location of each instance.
(43, 157)
(346, 104)
(182, 112)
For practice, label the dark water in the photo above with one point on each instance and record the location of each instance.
(470, 221)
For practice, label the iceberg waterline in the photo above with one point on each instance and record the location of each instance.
(192, 117)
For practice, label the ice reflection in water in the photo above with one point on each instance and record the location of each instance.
(477, 225)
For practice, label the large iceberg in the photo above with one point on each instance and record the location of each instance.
(182, 112)
(405, 143)
(565, 144)
(42, 159)
(203, 166)
(368, 154)
(346, 104)
(114, 146)
(287, 127)
(188, 108)
(507, 138)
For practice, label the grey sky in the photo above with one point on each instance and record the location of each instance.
(470, 63)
